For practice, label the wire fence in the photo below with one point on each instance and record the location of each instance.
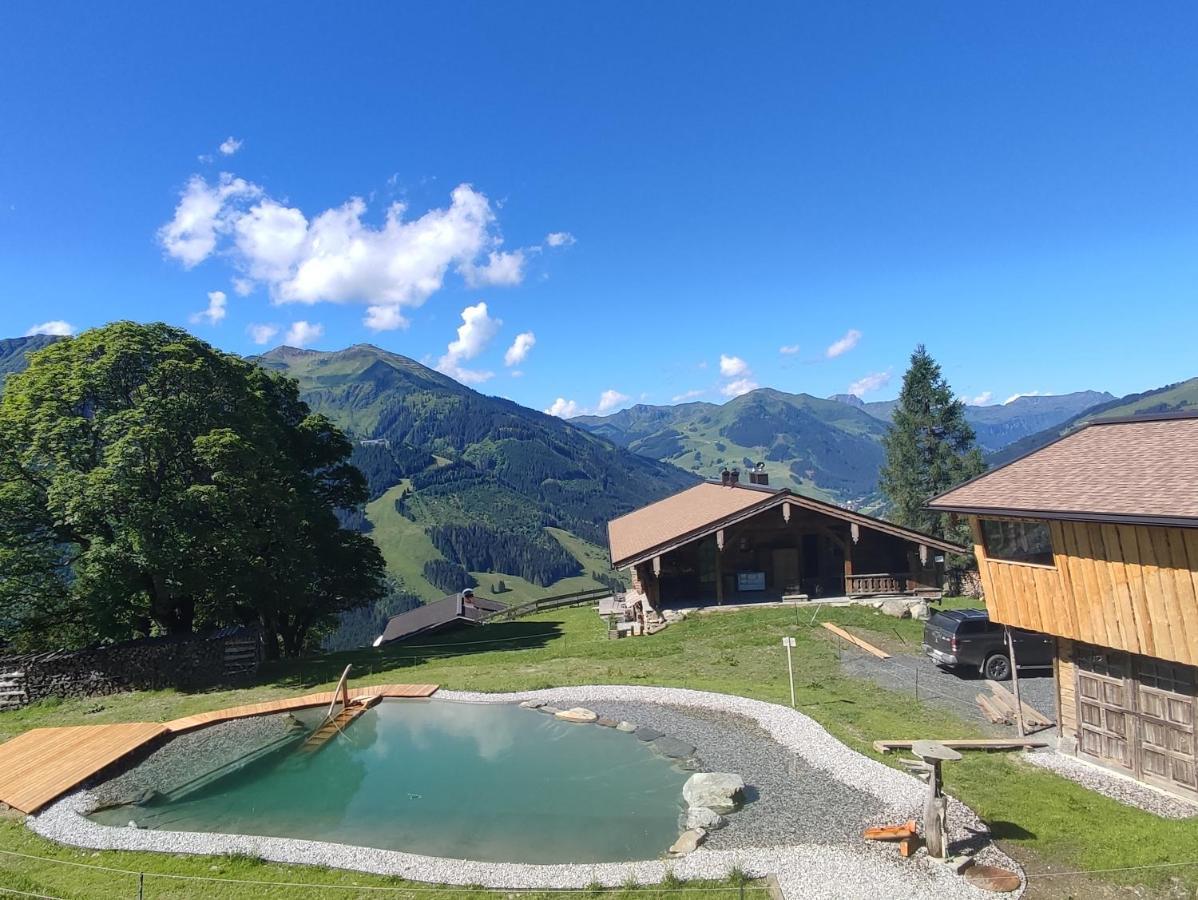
(29, 875)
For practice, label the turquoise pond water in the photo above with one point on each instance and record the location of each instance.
(463, 780)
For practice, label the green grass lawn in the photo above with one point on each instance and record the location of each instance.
(1045, 821)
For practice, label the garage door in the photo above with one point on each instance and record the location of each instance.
(1137, 714)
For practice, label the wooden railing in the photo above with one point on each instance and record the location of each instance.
(556, 602)
(882, 583)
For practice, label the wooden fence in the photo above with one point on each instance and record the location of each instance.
(556, 602)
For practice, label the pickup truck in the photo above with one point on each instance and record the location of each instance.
(967, 639)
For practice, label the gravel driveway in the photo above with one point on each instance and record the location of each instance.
(945, 689)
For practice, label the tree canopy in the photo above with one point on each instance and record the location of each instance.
(929, 449)
(152, 484)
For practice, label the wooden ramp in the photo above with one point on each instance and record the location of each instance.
(335, 724)
(41, 765)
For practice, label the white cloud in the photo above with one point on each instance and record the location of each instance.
(516, 373)
(738, 387)
(230, 145)
(335, 256)
(217, 301)
(869, 383)
(243, 287)
(474, 334)
(981, 399)
(559, 239)
(687, 395)
(202, 212)
(57, 327)
(788, 349)
(302, 333)
(261, 333)
(563, 408)
(845, 344)
(517, 353)
(732, 366)
(1015, 397)
(610, 400)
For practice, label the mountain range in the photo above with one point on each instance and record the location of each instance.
(467, 488)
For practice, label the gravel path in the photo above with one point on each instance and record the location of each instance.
(1111, 784)
(946, 689)
(805, 867)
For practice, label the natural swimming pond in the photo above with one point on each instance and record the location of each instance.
(490, 782)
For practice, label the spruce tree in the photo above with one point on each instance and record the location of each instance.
(929, 449)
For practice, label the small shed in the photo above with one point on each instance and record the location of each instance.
(454, 610)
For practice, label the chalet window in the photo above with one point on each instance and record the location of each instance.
(1022, 542)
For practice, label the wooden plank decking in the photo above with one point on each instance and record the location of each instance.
(43, 764)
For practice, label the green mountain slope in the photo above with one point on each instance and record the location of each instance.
(823, 448)
(461, 480)
(1171, 398)
(13, 352)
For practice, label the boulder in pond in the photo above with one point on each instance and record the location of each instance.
(577, 714)
(720, 791)
(705, 818)
(646, 734)
(606, 723)
(626, 727)
(532, 704)
(687, 842)
(673, 748)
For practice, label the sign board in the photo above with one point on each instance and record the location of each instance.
(750, 581)
(788, 642)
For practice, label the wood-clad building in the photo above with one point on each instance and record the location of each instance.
(1094, 539)
(730, 542)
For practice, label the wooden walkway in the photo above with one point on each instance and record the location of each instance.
(41, 765)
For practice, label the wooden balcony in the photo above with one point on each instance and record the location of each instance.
(881, 583)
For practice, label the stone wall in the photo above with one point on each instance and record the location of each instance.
(136, 665)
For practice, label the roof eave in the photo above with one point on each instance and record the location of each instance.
(1068, 515)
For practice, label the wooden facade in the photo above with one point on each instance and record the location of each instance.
(1122, 601)
(1128, 587)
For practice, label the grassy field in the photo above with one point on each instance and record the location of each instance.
(1050, 824)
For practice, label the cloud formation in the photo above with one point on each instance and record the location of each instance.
(302, 333)
(559, 239)
(216, 309)
(1015, 397)
(610, 400)
(981, 399)
(739, 386)
(261, 333)
(563, 408)
(845, 344)
(335, 256)
(739, 374)
(56, 327)
(474, 334)
(732, 366)
(520, 348)
(788, 349)
(230, 145)
(869, 383)
(687, 395)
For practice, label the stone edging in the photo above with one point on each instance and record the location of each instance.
(809, 871)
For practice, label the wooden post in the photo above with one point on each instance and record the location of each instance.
(935, 808)
(719, 575)
(1056, 684)
(1015, 683)
(848, 566)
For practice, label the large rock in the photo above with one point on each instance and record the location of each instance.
(646, 734)
(720, 791)
(920, 611)
(532, 704)
(898, 608)
(577, 714)
(687, 842)
(705, 818)
(673, 748)
(626, 727)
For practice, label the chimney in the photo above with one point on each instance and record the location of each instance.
(734, 477)
(757, 476)
(725, 478)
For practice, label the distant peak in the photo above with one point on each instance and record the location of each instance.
(850, 399)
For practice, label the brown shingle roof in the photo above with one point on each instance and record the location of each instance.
(695, 511)
(1126, 470)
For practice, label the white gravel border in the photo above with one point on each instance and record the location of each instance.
(803, 871)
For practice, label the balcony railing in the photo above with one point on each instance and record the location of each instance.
(882, 583)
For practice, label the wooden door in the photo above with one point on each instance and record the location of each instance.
(1105, 726)
(1165, 706)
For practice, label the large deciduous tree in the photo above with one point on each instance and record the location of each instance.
(929, 449)
(152, 484)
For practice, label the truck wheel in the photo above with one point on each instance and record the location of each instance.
(997, 667)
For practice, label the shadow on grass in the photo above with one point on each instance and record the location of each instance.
(311, 671)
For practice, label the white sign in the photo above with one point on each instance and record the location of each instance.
(789, 642)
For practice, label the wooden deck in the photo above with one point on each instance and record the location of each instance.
(41, 765)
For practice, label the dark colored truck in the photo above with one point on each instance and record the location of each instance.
(967, 639)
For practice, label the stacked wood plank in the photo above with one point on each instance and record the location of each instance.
(856, 641)
(999, 707)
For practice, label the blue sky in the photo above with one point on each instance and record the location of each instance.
(1016, 185)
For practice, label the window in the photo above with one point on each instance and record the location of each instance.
(1022, 542)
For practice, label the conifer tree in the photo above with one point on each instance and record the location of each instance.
(929, 449)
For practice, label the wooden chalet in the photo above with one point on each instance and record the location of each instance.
(1094, 539)
(730, 542)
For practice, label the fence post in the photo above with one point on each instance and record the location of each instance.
(742, 890)
(141, 885)
(917, 684)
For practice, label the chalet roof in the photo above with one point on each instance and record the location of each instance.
(1139, 470)
(707, 507)
(435, 615)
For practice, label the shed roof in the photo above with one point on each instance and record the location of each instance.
(704, 508)
(1141, 470)
(435, 615)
